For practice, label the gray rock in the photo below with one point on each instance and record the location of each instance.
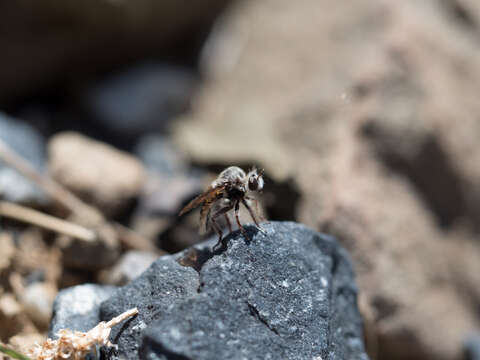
(37, 299)
(30, 145)
(289, 294)
(92, 169)
(472, 347)
(141, 99)
(77, 308)
(154, 293)
(165, 195)
(170, 184)
(131, 265)
(160, 155)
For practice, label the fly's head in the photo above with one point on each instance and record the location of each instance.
(255, 180)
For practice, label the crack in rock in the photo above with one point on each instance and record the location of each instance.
(256, 314)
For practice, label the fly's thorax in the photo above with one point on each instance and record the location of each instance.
(231, 174)
(236, 191)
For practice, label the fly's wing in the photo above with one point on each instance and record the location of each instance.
(207, 197)
(205, 218)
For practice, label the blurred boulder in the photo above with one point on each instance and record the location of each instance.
(100, 253)
(8, 251)
(158, 154)
(130, 265)
(95, 255)
(98, 173)
(140, 100)
(170, 182)
(28, 143)
(289, 294)
(169, 185)
(377, 125)
(55, 42)
(77, 308)
(165, 195)
(423, 145)
(472, 348)
(11, 317)
(37, 299)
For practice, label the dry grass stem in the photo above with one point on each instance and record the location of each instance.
(133, 240)
(69, 201)
(122, 317)
(54, 190)
(34, 217)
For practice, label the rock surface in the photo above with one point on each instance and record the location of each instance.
(154, 293)
(289, 295)
(27, 142)
(77, 308)
(99, 173)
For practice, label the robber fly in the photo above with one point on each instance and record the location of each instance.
(231, 188)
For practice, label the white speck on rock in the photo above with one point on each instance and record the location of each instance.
(199, 333)
(139, 327)
(226, 264)
(220, 324)
(285, 283)
(232, 342)
(175, 333)
(264, 313)
(324, 281)
(87, 303)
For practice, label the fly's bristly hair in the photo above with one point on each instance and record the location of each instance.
(232, 188)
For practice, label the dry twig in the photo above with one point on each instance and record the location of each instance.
(31, 216)
(57, 192)
(133, 240)
(69, 201)
(75, 345)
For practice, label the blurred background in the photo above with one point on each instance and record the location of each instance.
(364, 114)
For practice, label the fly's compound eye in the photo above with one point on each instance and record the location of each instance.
(253, 183)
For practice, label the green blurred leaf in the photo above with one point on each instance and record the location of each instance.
(13, 353)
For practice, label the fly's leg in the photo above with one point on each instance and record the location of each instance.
(252, 215)
(237, 207)
(219, 232)
(222, 211)
(228, 222)
(257, 211)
